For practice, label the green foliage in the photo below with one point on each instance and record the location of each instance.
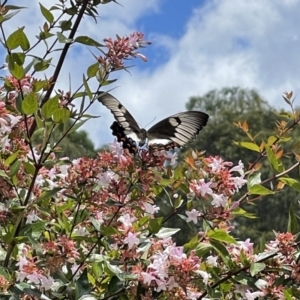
(221, 136)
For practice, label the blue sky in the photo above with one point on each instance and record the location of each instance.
(196, 46)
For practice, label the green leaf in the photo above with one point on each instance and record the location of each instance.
(19, 101)
(7, 17)
(155, 225)
(25, 45)
(271, 140)
(222, 251)
(82, 285)
(3, 174)
(255, 268)
(287, 295)
(29, 168)
(11, 158)
(293, 183)
(30, 104)
(49, 108)
(42, 65)
(66, 25)
(16, 57)
(115, 286)
(92, 70)
(61, 115)
(62, 39)
(248, 145)
(18, 39)
(258, 189)
(13, 41)
(16, 71)
(164, 232)
(109, 230)
(292, 222)
(77, 125)
(221, 236)
(14, 168)
(46, 13)
(45, 35)
(87, 41)
(87, 88)
(200, 248)
(253, 180)
(271, 157)
(48, 194)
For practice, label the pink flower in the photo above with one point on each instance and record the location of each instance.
(192, 216)
(131, 240)
(219, 200)
(127, 220)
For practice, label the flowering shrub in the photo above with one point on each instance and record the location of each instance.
(88, 228)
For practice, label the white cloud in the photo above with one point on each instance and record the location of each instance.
(252, 44)
(243, 43)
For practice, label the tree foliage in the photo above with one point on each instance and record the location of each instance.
(226, 108)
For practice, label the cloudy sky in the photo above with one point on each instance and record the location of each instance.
(197, 46)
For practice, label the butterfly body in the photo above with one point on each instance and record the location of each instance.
(176, 130)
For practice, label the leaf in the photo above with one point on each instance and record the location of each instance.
(258, 189)
(201, 248)
(165, 232)
(49, 108)
(11, 158)
(253, 180)
(155, 225)
(42, 65)
(14, 40)
(30, 104)
(222, 251)
(14, 168)
(221, 236)
(292, 222)
(271, 157)
(48, 194)
(271, 140)
(92, 70)
(255, 268)
(293, 183)
(62, 39)
(87, 88)
(82, 285)
(109, 230)
(61, 115)
(77, 125)
(16, 71)
(248, 145)
(87, 41)
(46, 13)
(16, 57)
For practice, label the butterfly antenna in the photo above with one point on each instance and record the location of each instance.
(150, 122)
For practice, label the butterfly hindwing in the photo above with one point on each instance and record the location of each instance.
(128, 143)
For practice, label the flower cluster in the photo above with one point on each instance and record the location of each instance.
(214, 187)
(123, 49)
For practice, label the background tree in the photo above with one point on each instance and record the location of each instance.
(225, 108)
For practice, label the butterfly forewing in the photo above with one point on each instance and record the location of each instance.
(121, 114)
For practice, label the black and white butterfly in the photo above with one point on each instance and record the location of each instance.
(174, 131)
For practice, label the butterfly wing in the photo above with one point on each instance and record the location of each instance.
(127, 124)
(179, 128)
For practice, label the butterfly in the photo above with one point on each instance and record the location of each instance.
(174, 131)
